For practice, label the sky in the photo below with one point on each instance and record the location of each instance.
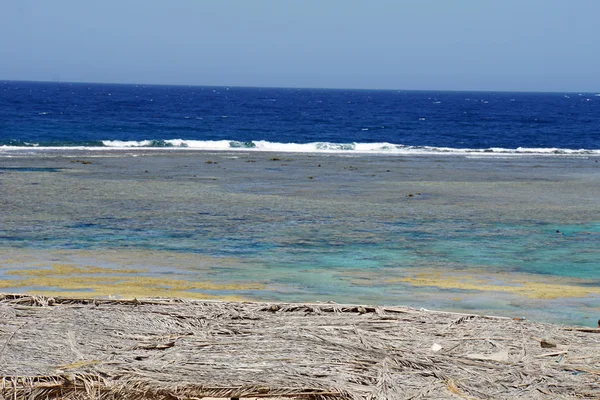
(513, 45)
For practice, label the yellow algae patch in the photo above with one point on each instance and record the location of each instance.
(540, 290)
(532, 287)
(70, 269)
(117, 259)
(119, 285)
(92, 281)
(179, 284)
(139, 294)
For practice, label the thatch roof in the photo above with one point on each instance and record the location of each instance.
(53, 348)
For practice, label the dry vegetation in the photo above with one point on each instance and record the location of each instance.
(59, 348)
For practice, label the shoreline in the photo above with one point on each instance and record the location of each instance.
(101, 276)
(115, 348)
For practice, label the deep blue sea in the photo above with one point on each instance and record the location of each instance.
(307, 120)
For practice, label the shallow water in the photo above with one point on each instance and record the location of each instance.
(428, 231)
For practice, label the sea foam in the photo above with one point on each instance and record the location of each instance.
(314, 147)
(328, 147)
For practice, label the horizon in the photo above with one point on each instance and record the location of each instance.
(595, 92)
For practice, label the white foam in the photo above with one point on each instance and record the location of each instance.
(129, 143)
(314, 147)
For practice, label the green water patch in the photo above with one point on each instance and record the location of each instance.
(573, 251)
(30, 169)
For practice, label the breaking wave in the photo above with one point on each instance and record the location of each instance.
(314, 147)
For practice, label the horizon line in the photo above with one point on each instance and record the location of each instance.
(295, 87)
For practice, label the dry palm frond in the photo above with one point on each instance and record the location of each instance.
(168, 349)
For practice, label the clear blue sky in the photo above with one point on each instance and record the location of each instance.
(545, 45)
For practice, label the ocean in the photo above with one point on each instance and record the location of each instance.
(306, 120)
(463, 201)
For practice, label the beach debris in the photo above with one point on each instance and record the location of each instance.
(436, 347)
(498, 356)
(78, 364)
(580, 329)
(274, 308)
(79, 349)
(545, 343)
(556, 353)
(155, 346)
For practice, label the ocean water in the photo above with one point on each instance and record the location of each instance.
(311, 120)
(484, 202)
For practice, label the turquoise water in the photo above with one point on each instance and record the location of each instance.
(308, 228)
(533, 249)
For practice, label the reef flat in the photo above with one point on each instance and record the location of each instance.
(513, 235)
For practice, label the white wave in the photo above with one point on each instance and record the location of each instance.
(315, 147)
(128, 143)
